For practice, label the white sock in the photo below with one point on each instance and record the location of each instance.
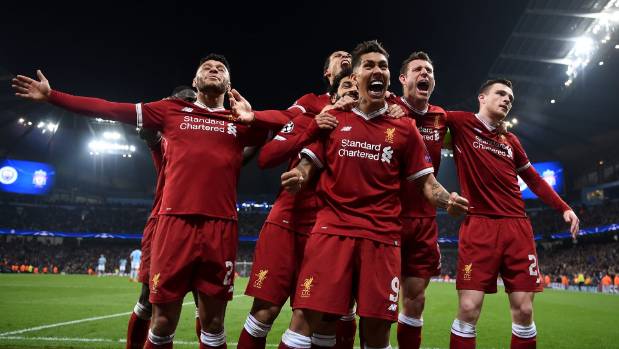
(197, 313)
(295, 340)
(524, 331)
(410, 321)
(213, 339)
(159, 340)
(141, 311)
(350, 316)
(323, 340)
(463, 329)
(256, 328)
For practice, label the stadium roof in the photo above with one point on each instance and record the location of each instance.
(137, 52)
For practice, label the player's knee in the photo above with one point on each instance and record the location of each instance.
(523, 313)
(265, 312)
(214, 325)
(469, 310)
(162, 325)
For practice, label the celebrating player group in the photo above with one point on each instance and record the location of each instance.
(353, 230)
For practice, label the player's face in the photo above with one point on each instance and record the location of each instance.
(497, 101)
(418, 81)
(372, 76)
(337, 61)
(348, 87)
(212, 77)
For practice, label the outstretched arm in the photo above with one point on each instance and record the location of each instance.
(455, 204)
(545, 192)
(40, 91)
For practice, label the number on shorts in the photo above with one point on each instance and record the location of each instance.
(395, 287)
(228, 277)
(533, 266)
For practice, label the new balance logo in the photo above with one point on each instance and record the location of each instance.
(187, 110)
(393, 307)
(387, 155)
(346, 129)
(231, 129)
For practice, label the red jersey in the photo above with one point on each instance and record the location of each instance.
(156, 152)
(488, 164)
(203, 154)
(364, 160)
(309, 103)
(432, 127)
(293, 211)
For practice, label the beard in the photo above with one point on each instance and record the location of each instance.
(212, 88)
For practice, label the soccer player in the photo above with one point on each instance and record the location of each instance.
(122, 266)
(421, 257)
(496, 237)
(279, 250)
(353, 250)
(195, 242)
(101, 265)
(135, 257)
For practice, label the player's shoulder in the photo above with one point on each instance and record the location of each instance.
(435, 109)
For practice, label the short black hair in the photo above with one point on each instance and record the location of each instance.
(338, 78)
(215, 57)
(486, 85)
(414, 56)
(367, 47)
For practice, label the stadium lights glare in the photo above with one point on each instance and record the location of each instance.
(552, 101)
(41, 124)
(102, 146)
(103, 121)
(21, 120)
(515, 121)
(601, 63)
(29, 123)
(111, 135)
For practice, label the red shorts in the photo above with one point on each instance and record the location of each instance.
(277, 259)
(337, 269)
(421, 256)
(147, 238)
(192, 252)
(488, 247)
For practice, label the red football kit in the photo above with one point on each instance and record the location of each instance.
(421, 256)
(357, 232)
(156, 152)
(196, 228)
(279, 250)
(496, 237)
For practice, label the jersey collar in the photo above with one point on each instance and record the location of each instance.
(212, 110)
(488, 126)
(373, 114)
(413, 109)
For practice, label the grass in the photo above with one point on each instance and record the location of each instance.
(564, 319)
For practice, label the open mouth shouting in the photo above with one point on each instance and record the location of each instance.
(423, 87)
(376, 88)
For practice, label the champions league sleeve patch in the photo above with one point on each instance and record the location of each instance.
(288, 127)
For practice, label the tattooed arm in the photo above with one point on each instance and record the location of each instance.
(455, 204)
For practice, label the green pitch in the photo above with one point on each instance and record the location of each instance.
(54, 311)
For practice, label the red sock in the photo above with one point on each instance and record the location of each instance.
(137, 332)
(409, 337)
(457, 342)
(198, 328)
(247, 341)
(345, 332)
(150, 345)
(523, 343)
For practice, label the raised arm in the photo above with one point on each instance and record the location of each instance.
(545, 192)
(40, 91)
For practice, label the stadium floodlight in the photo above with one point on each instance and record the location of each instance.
(29, 123)
(104, 121)
(601, 63)
(568, 82)
(552, 101)
(51, 127)
(41, 124)
(515, 121)
(583, 46)
(112, 135)
(103, 146)
(21, 120)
